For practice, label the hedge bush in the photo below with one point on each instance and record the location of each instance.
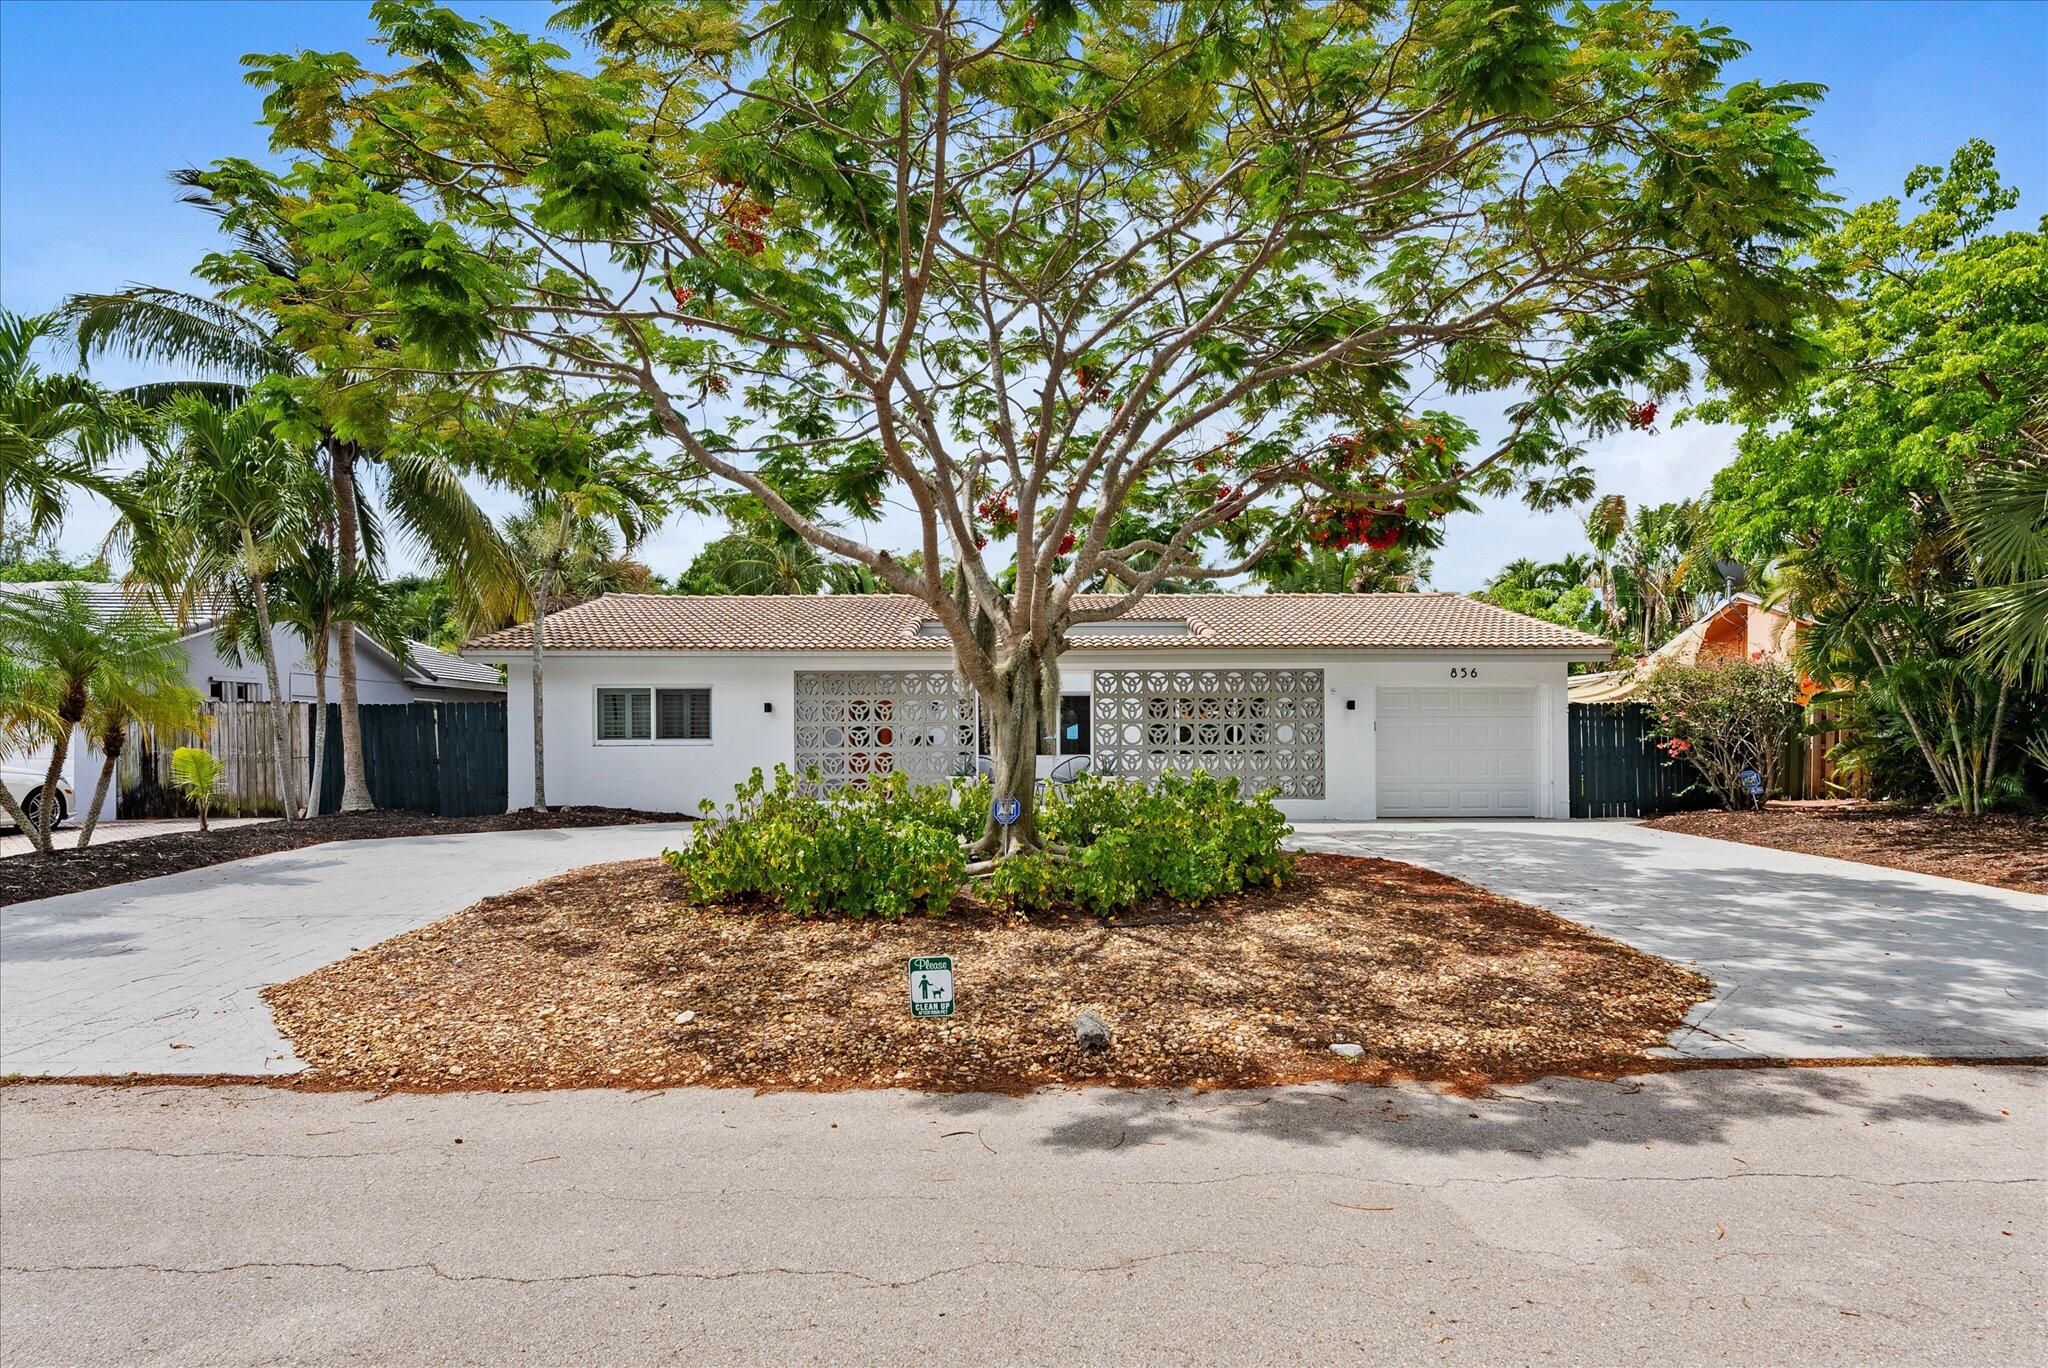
(895, 847)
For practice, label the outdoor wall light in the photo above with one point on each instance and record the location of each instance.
(768, 707)
(1350, 705)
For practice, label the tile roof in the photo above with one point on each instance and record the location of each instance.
(891, 622)
(439, 667)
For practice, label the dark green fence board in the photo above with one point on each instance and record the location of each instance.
(1617, 770)
(443, 758)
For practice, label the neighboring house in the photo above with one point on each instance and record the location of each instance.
(1352, 705)
(425, 675)
(1743, 628)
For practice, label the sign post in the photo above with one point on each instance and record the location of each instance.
(931, 986)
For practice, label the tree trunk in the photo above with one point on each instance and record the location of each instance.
(319, 765)
(110, 747)
(355, 777)
(60, 750)
(1017, 712)
(16, 815)
(280, 745)
(540, 756)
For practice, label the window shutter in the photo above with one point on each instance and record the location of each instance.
(623, 715)
(682, 714)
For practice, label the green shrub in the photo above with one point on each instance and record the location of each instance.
(896, 847)
(883, 851)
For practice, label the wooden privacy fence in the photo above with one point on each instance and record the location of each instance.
(1617, 770)
(443, 758)
(239, 733)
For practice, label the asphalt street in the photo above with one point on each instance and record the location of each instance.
(1840, 1215)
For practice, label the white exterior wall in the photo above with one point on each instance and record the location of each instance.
(676, 775)
(376, 681)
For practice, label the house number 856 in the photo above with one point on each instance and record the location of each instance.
(1464, 672)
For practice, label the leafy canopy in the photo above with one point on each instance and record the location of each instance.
(1029, 269)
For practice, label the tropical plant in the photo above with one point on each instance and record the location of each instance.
(1345, 570)
(65, 651)
(2004, 519)
(1732, 721)
(145, 690)
(1898, 488)
(56, 432)
(1654, 569)
(227, 501)
(308, 595)
(1032, 265)
(570, 538)
(196, 772)
(892, 847)
(257, 336)
(1560, 591)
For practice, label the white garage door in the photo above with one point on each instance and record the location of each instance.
(1457, 752)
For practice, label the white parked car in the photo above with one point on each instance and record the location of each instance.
(26, 785)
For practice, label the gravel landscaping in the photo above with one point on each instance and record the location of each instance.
(27, 877)
(2002, 850)
(607, 977)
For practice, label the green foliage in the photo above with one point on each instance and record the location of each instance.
(1186, 839)
(23, 561)
(1935, 361)
(196, 773)
(895, 847)
(56, 431)
(886, 851)
(1726, 718)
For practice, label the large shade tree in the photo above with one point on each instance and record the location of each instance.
(1026, 267)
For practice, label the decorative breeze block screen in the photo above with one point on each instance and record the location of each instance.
(851, 724)
(1264, 726)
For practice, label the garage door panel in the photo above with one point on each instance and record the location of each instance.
(1457, 752)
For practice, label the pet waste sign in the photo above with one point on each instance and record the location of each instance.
(931, 986)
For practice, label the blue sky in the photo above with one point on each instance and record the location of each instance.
(99, 99)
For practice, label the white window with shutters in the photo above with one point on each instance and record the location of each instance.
(642, 715)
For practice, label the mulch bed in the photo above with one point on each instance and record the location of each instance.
(25, 877)
(2002, 850)
(607, 977)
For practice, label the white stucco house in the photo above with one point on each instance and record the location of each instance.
(425, 675)
(1352, 705)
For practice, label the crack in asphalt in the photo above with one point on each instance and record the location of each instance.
(650, 1275)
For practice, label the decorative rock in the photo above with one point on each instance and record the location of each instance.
(685, 1018)
(1091, 1032)
(1348, 1051)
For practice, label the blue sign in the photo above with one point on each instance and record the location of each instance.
(1007, 811)
(1753, 782)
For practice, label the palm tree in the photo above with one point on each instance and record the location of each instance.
(1347, 570)
(56, 431)
(242, 333)
(229, 501)
(573, 541)
(2004, 519)
(26, 723)
(63, 649)
(146, 689)
(308, 594)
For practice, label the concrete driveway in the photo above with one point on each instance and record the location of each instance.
(1841, 1216)
(1811, 956)
(163, 975)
